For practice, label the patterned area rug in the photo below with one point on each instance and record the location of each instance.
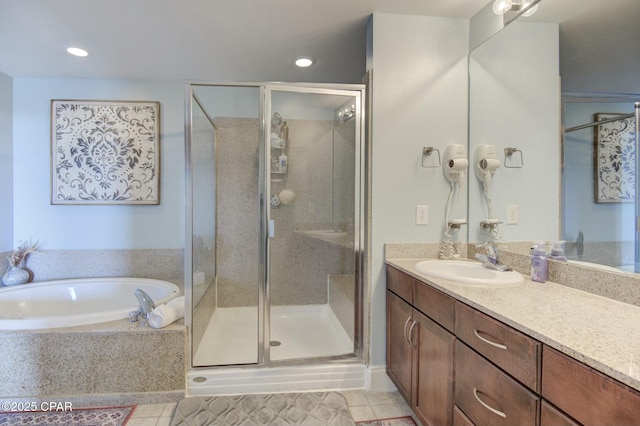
(395, 421)
(112, 416)
(316, 408)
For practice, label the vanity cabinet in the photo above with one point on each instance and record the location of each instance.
(420, 350)
(458, 366)
(585, 394)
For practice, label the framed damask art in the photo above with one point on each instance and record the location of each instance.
(615, 158)
(105, 152)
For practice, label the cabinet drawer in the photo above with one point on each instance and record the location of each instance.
(459, 418)
(551, 416)
(585, 394)
(514, 352)
(487, 395)
(400, 283)
(434, 303)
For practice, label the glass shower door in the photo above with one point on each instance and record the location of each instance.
(224, 150)
(312, 155)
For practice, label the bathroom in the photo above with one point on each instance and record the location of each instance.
(428, 109)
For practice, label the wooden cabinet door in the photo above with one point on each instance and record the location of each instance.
(432, 390)
(398, 348)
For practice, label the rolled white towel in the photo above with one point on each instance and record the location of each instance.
(168, 313)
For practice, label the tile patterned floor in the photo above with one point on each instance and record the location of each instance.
(362, 404)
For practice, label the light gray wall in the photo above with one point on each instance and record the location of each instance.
(419, 99)
(6, 163)
(515, 102)
(94, 227)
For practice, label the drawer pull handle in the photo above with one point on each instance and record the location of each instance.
(487, 406)
(411, 335)
(405, 331)
(489, 342)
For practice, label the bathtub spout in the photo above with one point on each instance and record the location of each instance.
(146, 306)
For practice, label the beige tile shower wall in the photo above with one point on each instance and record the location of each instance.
(299, 265)
(203, 204)
(238, 211)
(342, 300)
(344, 158)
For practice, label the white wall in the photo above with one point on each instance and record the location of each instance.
(515, 102)
(6, 163)
(419, 99)
(94, 227)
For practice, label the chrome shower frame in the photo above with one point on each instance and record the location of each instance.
(264, 286)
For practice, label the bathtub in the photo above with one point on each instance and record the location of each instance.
(72, 302)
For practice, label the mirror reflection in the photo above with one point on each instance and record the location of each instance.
(537, 88)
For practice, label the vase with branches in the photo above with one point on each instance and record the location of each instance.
(16, 274)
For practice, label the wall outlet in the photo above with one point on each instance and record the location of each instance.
(422, 215)
(512, 214)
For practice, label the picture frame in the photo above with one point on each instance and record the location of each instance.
(105, 152)
(614, 154)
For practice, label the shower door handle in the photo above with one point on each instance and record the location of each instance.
(271, 228)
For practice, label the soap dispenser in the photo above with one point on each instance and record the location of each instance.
(557, 252)
(539, 264)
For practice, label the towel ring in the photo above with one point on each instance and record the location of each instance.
(508, 153)
(426, 152)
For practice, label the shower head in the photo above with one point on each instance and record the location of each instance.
(346, 114)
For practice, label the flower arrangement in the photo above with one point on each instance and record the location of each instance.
(20, 254)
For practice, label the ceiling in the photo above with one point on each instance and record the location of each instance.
(257, 40)
(214, 40)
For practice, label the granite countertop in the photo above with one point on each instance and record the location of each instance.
(600, 332)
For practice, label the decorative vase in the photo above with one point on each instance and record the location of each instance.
(15, 275)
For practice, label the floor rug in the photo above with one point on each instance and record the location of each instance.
(395, 421)
(112, 416)
(314, 408)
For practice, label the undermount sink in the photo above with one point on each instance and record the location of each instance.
(471, 274)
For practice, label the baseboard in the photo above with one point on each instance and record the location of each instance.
(376, 379)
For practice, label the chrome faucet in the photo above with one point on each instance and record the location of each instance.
(490, 260)
(146, 306)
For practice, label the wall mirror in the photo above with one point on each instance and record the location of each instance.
(532, 86)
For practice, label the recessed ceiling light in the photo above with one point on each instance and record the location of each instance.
(76, 51)
(304, 62)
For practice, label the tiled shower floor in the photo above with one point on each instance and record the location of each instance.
(303, 331)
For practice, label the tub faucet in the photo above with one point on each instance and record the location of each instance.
(490, 260)
(146, 306)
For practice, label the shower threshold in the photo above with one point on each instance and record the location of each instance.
(302, 331)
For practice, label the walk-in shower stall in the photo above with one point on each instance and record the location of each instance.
(274, 218)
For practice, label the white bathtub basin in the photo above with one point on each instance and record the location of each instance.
(471, 274)
(66, 303)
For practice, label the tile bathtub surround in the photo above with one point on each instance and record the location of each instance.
(117, 357)
(163, 264)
